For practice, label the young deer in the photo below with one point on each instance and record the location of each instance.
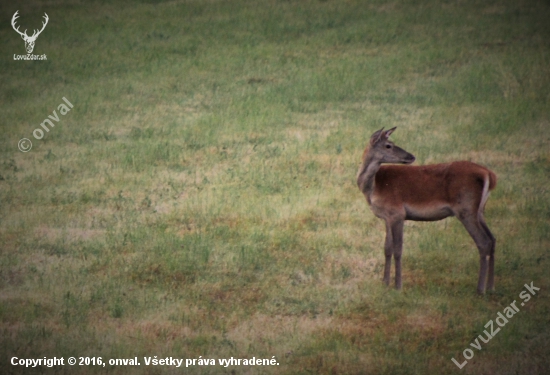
(397, 193)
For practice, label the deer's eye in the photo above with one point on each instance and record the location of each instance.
(388, 146)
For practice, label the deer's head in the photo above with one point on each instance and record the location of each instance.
(385, 151)
(29, 40)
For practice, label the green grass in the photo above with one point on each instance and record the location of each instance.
(200, 197)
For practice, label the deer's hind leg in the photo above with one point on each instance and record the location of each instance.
(491, 276)
(485, 243)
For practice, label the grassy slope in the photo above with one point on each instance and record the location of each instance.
(199, 199)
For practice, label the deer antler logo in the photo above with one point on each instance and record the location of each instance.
(29, 40)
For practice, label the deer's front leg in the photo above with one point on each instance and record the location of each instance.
(388, 251)
(397, 231)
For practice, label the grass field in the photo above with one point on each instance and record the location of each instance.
(199, 199)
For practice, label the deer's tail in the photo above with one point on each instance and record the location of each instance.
(492, 179)
(489, 183)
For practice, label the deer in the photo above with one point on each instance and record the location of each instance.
(29, 40)
(396, 193)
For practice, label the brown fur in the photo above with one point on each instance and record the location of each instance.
(445, 185)
(397, 193)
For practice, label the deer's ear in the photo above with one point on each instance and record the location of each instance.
(376, 136)
(389, 131)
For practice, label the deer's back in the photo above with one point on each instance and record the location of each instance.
(434, 184)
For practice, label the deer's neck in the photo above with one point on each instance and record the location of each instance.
(366, 174)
